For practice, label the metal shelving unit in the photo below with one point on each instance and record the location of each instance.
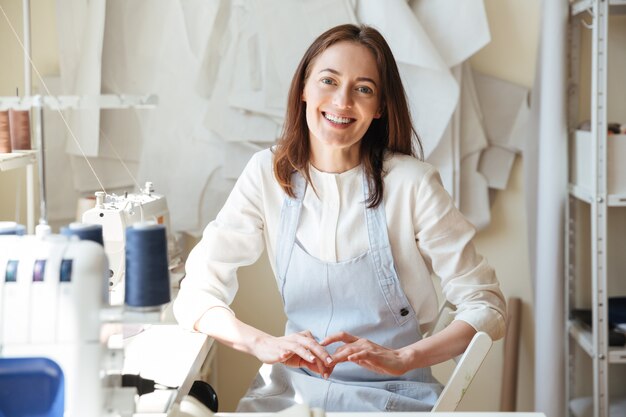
(590, 342)
(17, 159)
(23, 159)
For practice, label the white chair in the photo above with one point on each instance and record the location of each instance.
(467, 364)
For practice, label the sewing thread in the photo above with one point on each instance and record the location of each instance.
(147, 283)
(12, 228)
(19, 125)
(84, 231)
(5, 134)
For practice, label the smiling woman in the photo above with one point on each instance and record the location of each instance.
(352, 254)
(351, 63)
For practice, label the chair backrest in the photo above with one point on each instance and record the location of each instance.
(464, 373)
(467, 364)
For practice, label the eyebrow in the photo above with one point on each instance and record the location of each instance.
(358, 78)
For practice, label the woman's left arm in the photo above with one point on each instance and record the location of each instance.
(446, 344)
(445, 241)
(444, 238)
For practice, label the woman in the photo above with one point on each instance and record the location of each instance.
(354, 225)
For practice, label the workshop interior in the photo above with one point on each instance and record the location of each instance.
(125, 125)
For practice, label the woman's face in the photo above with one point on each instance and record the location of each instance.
(342, 95)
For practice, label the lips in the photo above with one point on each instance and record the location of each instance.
(337, 119)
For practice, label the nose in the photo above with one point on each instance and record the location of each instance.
(342, 98)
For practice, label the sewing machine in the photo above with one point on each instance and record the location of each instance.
(51, 291)
(115, 214)
(53, 305)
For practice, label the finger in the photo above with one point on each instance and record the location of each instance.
(305, 354)
(308, 334)
(361, 356)
(342, 354)
(339, 337)
(321, 369)
(324, 370)
(329, 370)
(370, 364)
(297, 349)
(307, 340)
(285, 354)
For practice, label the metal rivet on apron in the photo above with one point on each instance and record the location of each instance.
(404, 312)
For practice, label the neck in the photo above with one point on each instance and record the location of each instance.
(336, 160)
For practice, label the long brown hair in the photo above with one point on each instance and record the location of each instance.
(393, 131)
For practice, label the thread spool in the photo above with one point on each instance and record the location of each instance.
(84, 231)
(5, 133)
(12, 228)
(19, 126)
(83, 204)
(147, 282)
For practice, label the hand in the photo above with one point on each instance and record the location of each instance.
(368, 354)
(295, 350)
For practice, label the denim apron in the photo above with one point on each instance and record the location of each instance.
(361, 296)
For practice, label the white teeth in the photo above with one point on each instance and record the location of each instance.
(335, 119)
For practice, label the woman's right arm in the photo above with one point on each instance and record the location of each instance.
(235, 239)
(296, 350)
(232, 240)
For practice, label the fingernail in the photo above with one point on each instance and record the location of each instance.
(325, 376)
(329, 360)
(311, 358)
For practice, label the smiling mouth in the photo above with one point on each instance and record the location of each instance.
(338, 120)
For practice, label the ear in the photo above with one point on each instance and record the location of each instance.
(380, 111)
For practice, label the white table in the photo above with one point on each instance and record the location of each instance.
(169, 355)
(400, 414)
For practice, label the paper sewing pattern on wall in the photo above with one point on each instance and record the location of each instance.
(222, 69)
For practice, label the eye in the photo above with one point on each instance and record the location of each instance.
(327, 81)
(365, 90)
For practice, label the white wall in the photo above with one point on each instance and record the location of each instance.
(511, 56)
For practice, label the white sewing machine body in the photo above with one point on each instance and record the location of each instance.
(51, 292)
(115, 214)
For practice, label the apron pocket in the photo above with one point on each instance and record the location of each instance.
(412, 396)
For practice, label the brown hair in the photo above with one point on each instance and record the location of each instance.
(393, 131)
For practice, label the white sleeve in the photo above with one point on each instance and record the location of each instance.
(233, 239)
(444, 238)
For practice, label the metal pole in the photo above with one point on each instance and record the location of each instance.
(30, 170)
(27, 48)
(599, 209)
(43, 213)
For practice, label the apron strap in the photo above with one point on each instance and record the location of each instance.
(289, 218)
(380, 248)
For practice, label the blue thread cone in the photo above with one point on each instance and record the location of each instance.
(12, 228)
(147, 283)
(84, 231)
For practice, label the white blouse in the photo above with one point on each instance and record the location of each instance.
(427, 234)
